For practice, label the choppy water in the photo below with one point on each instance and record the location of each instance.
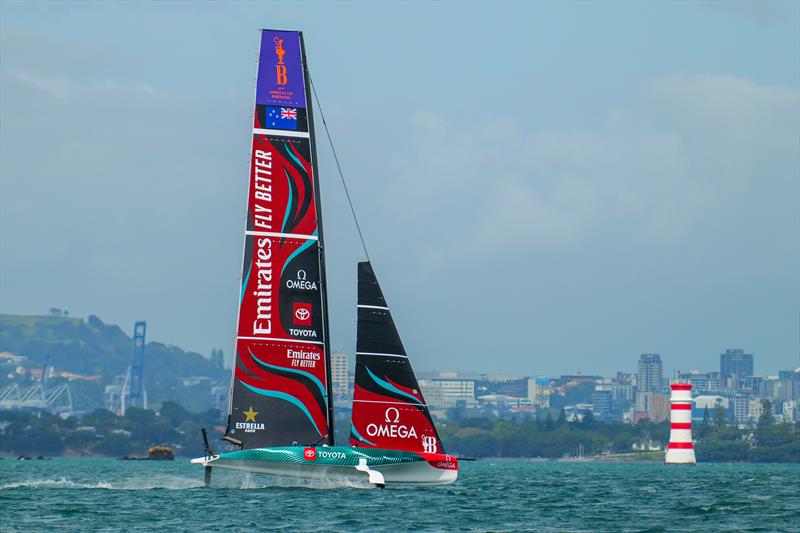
(110, 495)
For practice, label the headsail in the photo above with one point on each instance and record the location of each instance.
(280, 392)
(388, 408)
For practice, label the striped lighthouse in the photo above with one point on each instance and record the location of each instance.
(681, 449)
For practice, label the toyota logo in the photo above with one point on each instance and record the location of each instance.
(302, 314)
(392, 418)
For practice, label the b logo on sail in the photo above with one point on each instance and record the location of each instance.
(280, 68)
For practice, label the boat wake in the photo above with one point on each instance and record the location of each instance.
(249, 482)
(245, 482)
(62, 483)
(166, 482)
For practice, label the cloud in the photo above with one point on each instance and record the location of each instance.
(762, 11)
(55, 86)
(61, 87)
(689, 148)
(737, 110)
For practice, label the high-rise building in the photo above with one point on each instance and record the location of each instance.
(539, 391)
(623, 389)
(741, 408)
(601, 401)
(735, 364)
(651, 373)
(339, 379)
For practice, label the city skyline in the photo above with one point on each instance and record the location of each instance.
(617, 200)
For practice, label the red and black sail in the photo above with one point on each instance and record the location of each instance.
(280, 393)
(389, 410)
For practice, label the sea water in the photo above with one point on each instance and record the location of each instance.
(490, 495)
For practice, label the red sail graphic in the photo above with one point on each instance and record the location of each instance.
(280, 393)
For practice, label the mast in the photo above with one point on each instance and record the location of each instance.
(280, 392)
(323, 286)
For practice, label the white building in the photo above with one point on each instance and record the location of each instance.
(741, 409)
(339, 378)
(789, 410)
(710, 402)
(447, 393)
(754, 409)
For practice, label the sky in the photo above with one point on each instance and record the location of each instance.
(543, 187)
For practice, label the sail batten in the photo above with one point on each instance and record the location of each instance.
(280, 392)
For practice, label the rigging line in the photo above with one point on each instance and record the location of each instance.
(339, 167)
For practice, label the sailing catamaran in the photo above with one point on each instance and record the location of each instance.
(281, 403)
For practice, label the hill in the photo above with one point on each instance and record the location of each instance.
(92, 347)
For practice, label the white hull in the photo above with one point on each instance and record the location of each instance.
(418, 472)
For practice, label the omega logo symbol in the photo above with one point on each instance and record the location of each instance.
(301, 275)
(394, 419)
(391, 429)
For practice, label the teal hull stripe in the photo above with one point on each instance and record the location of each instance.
(313, 378)
(297, 252)
(285, 397)
(289, 203)
(355, 432)
(388, 386)
(340, 456)
(244, 284)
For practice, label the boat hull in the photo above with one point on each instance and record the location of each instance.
(339, 462)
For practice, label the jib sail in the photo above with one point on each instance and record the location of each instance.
(388, 408)
(280, 393)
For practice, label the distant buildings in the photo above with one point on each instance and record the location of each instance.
(650, 377)
(735, 365)
(602, 401)
(701, 381)
(732, 393)
(649, 383)
(789, 411)
(456, 390)
(539, 391)
(658, 407)
(339, 374)
(709, 403)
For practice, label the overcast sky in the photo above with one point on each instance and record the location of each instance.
(543, 188)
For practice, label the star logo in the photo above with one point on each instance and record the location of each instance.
(250, 415)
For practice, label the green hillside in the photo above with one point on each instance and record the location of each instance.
(92, 347)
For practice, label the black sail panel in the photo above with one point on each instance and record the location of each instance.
(376, 330)
(389, 410)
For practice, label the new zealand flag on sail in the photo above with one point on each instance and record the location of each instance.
(281, 118)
